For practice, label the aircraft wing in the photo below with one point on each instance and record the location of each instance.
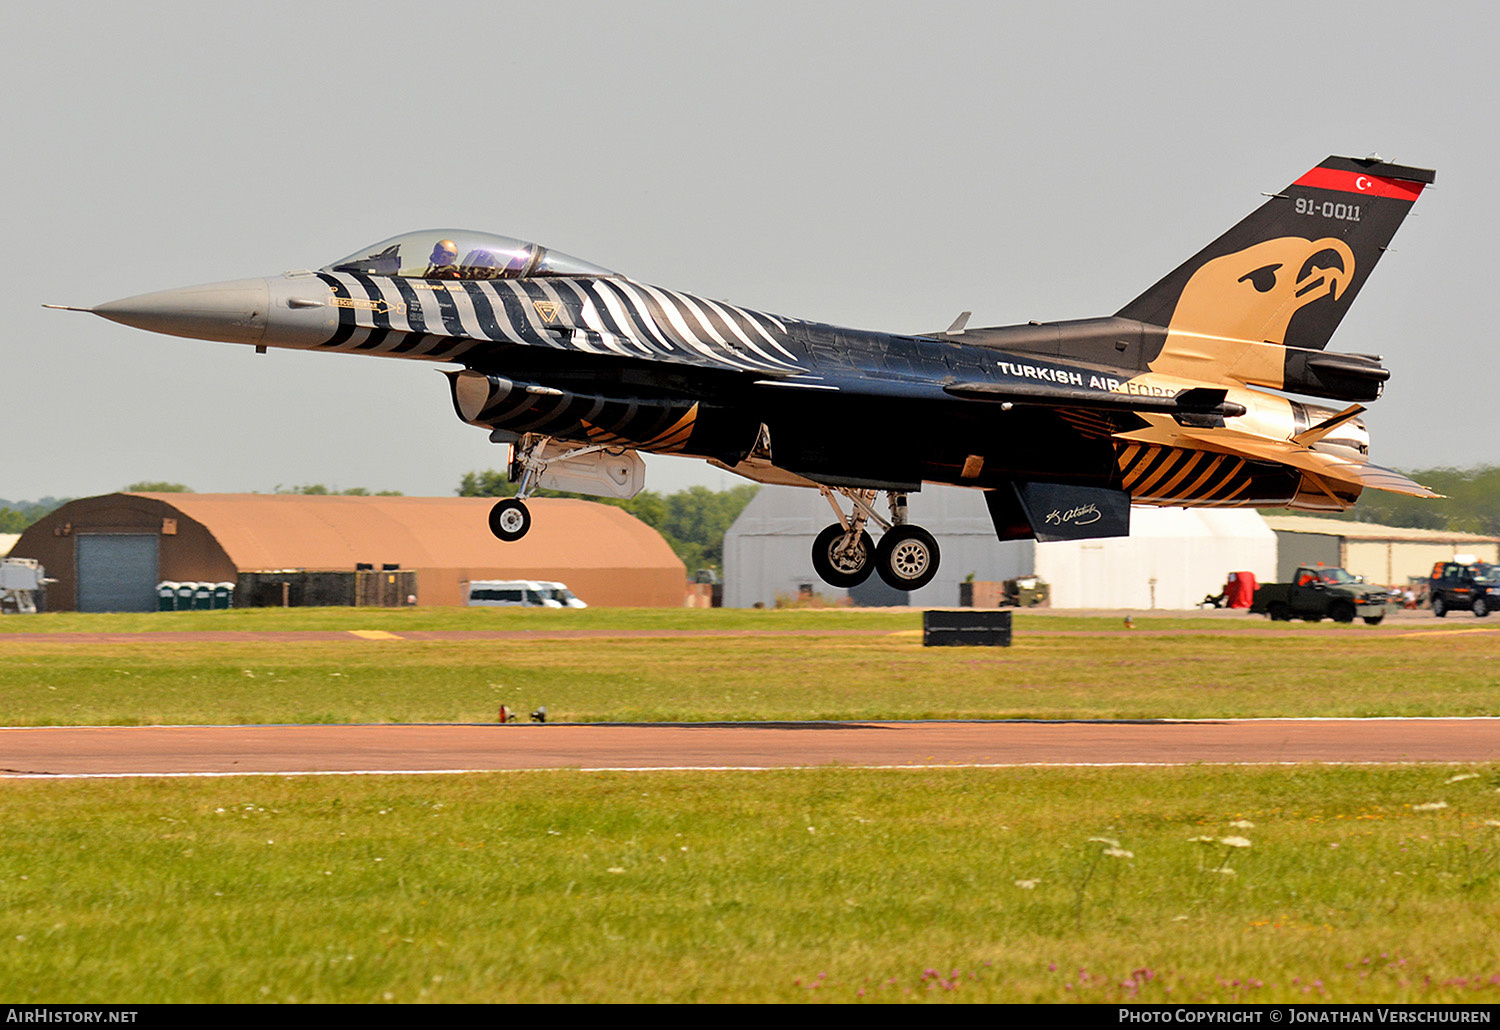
(1323, 464)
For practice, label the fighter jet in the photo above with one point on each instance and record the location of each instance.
(1179, 398)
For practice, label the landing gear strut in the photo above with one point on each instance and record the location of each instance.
(907, 558)
(509, 518)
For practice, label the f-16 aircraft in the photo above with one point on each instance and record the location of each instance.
(1176, 399)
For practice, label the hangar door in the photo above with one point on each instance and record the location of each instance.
(117, 572)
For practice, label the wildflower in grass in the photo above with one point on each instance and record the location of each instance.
(1431, 806)
(1104, 840)
(1027, 885)
(1234, 842)
(1118, 853)
(1203, 840)
(1243, 824)
(1462, 776)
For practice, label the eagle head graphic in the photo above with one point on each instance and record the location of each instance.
(1253, 293)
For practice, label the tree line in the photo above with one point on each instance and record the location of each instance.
(694, 520)
(1471, 503)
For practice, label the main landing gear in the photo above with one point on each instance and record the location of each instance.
(844, 555)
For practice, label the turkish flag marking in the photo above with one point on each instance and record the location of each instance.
(1361, 183)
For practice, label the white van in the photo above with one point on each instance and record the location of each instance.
(560, 593)
(521, 593)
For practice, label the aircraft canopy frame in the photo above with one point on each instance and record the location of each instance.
(462, 254)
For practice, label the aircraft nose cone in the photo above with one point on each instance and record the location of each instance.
(232, 312)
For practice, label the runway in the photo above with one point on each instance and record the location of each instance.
(46, 752)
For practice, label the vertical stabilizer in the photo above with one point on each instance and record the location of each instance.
(1287, 274)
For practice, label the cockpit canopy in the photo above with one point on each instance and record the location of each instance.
(461, 254)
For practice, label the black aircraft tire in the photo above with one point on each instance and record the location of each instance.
(1439, 607)
(907, 558)
(509, 520)
(849, 569)
(1341, 611)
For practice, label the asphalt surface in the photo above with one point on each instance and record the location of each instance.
(231, 750)
(221, 750)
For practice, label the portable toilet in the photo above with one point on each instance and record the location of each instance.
(203, 597)
(166, 596)
(223, 595)
(185, 596)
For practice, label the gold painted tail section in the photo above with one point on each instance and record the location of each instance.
(1284, 277)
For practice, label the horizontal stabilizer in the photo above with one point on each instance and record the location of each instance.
(1323, 464)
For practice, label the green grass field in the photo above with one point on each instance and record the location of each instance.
(1357, 884)
(1203, 668)
(833, 885)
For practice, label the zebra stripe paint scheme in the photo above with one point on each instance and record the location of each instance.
(1200, 479)
(614, 317)
(657, 425)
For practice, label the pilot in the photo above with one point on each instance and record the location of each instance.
(441, 264)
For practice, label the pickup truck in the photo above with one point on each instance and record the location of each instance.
(1318, 592)
(1474, 585)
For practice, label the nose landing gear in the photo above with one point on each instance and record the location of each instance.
(907, 557)
(509, 519)
(604, 470)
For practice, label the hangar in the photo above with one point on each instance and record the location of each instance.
(108, 553)
(1172, 559)
(1391, 555)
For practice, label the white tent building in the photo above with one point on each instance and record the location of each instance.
(1171, 560)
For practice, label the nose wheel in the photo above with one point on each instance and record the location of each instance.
(843, 556)
(509, 519)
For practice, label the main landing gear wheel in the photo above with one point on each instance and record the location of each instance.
(840, 563)
(907, 557)
(509, 519)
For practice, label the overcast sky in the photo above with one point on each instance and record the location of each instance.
(878, 165)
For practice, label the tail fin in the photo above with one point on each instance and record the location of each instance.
(1287, 274)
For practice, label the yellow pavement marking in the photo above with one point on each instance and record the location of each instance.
(374, 634)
